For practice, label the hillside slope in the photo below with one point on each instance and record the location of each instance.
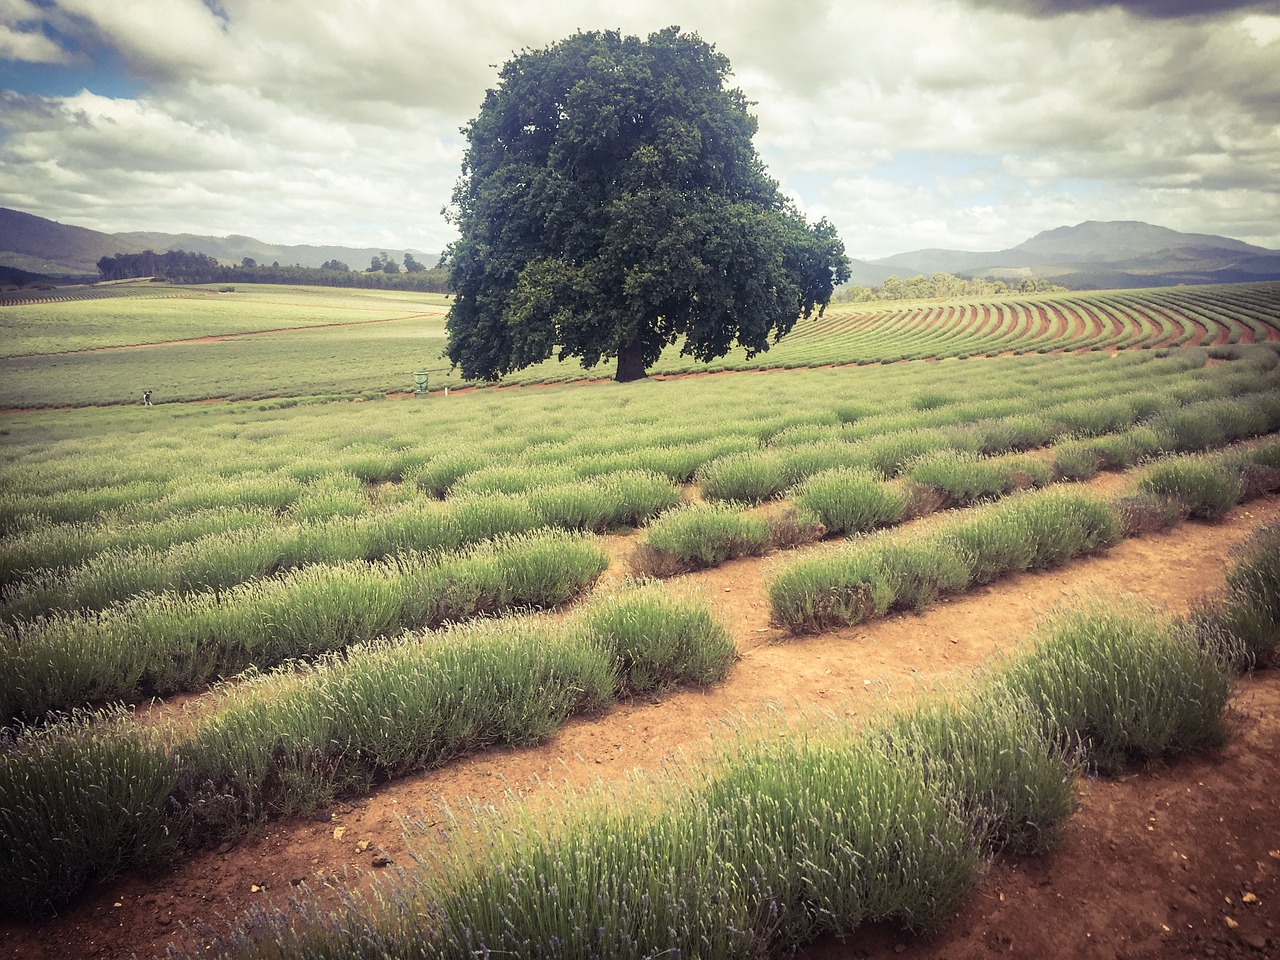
(1104, 255)
(42, 246)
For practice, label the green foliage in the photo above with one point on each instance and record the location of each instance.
(792, 836)
(743, 477)
(509, 478)
(89, 796)
(802, 460)
(59, 547)
(164, 644)
(1142, 513)
(81, 800)
(834, 829)
(920, 569)
(851, 500)
(1010, 782)
(282, 366)
(659, 640)
(790, 527)
(607, 502)
(136, 488)
(1126, 449)
(1244, 625)
(782, 843)
(438, 475)
(585, 237)
(1033, 531)
(1205, 484)
(1125, 683)
(889, 455)
(696, 536)
(839, 589)
(183, 267)
(911, 568)
(282, 745)
(332, 495)
(964, 479)
(220, 561)
(921, 287)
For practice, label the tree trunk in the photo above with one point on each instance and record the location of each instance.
(631, 363)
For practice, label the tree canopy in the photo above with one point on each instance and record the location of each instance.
(611, 203)
(183, 267)
(942, 285)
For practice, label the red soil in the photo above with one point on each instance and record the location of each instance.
(1201, 334)
(1041, 324)
(1111, 890)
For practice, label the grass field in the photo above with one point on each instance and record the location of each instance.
(132, 316)
(410, 582)
(55, 354)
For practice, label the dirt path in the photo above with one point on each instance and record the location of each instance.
(1182, 861)
(851, 673)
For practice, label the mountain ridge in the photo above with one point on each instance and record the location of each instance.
(1094, 254)
(38, 245)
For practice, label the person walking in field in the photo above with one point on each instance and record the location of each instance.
(146, 398)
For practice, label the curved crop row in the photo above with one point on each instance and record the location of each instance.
(1201, 316)
(785, 838)
(218, 561)
(873, 575)
(164, 644)
(756, 476)
(62, 506)
(90, 796)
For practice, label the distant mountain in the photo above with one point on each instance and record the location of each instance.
(1100, 255)
(863, 273)
(1120, 240)
(36, 245)
(14, 277)
(966, 262)
(1090, 255)
(235, 248)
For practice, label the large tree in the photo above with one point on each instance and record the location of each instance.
(611, 203)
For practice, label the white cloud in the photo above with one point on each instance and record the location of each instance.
(909, 123)
(21, 38)
(161, 38)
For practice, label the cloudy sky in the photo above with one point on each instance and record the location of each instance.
(970, 124)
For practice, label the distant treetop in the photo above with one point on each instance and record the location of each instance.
(942, 285)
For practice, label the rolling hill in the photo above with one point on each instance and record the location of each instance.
(36, 245)
(1098, 255)
(41, 246)
(1090, 255)
(236, 247)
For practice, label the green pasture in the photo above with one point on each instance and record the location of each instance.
(104, 505)
(334, 343)
(164, 313)
(76, 465)
(331, 362)
(52, 353)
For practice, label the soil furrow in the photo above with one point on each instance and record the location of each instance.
(850, 672)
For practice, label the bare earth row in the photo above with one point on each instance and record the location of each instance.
(852, 671)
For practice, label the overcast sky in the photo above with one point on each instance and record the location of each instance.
(971, 124)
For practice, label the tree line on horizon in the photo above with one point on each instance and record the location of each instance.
(181, 266)
(941, 286)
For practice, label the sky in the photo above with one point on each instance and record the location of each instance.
(965, 124)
